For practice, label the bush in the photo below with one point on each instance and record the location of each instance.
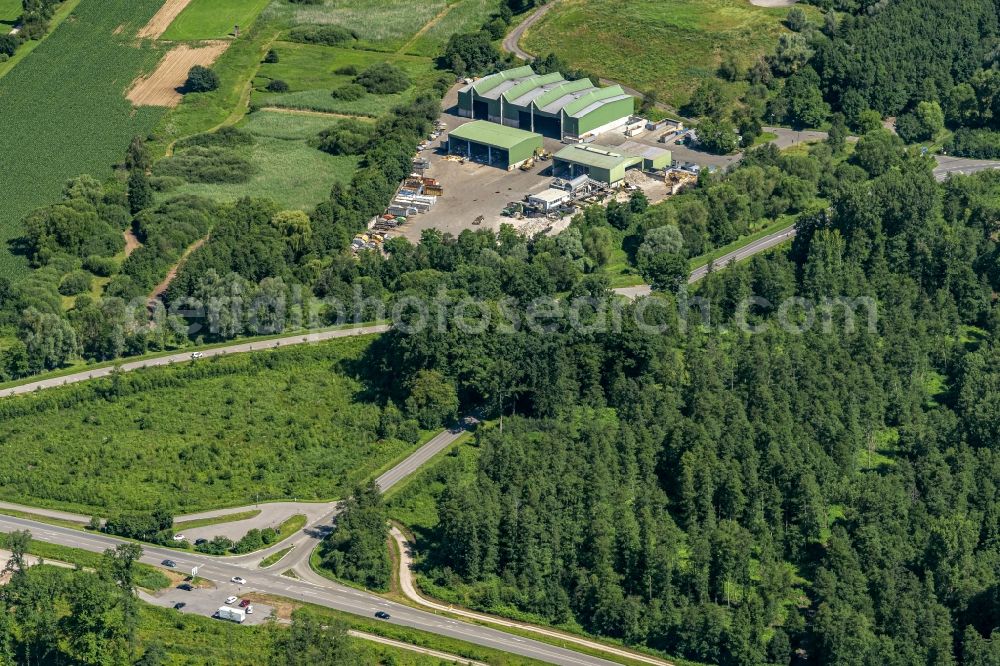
(975, 143)
(349, 93)
(271, 57)
(8, 45)
(277, 86)
(207, 165)
(328, 35)
(75, 283)
(165, 183)
(201, 79)
(349, 137)
(383, 79)
(100, 266)
(347, 70)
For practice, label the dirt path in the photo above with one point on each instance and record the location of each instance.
(512, 42)
(162, 19)
(131, 243)
(319, 114)
(420, 33)
(163, 86)
(409, 589)
(161, 288)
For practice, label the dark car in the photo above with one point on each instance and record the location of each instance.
(382, 615)
(169, 563)
(199, 542)
(244, 603)
(179, 605)
(185, 586)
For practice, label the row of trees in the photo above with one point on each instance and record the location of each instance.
(33, 24)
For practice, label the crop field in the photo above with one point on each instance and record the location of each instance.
(213, 19)
(48, 138)
(289, 423)
(648, 44)
(311, 74)
(287, 169)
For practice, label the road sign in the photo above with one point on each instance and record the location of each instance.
(194, 572)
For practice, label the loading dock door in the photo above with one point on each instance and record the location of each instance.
(545, 126)
(481, 110)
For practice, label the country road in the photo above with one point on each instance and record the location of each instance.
(159, 361)
(328, 594)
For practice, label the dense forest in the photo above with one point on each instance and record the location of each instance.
(823, 495)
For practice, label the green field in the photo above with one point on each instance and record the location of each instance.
(213, 19)
(287, 170)
(462, 16)
(10, 11)
(311, 74)
(384, 25)
(648, 44)
(64, 111)
(285, 424)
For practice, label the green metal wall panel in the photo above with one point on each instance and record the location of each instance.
(604, 115)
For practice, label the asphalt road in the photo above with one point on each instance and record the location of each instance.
(287, 341)
(958, 165)
(330, 594)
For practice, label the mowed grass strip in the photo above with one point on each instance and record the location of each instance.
(64, 110)
(213, 19)
(649, 44)
(286, 423)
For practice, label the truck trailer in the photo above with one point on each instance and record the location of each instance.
(232, 614)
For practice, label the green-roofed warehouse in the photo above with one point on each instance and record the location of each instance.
(600, 163)
(545, 103)
(483, 141)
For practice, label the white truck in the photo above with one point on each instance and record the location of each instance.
(232, 614)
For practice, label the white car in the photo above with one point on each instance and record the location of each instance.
(249, 609)
(239, 580)
(196, 355)
(179, 537)
(231, 600)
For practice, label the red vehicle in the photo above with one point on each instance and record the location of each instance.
(244, 603)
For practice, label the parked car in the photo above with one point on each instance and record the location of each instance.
(231, 600)
(250, 609)
(239, 580)
(179, 537)
(199, 542)
(169, 563)
(185, 586)
(244, 603)
(179, 605)
(196, 355)
(382, 615)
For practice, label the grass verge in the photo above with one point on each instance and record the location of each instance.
(274, 558)
(217, 520)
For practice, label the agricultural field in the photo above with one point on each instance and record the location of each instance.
(82, 129)
(313, 71)
(213, 19)
(647, 44)
(286, 168)
(292, 423)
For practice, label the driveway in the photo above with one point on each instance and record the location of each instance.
(272, 514)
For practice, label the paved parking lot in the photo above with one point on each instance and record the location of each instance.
(206, 601)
